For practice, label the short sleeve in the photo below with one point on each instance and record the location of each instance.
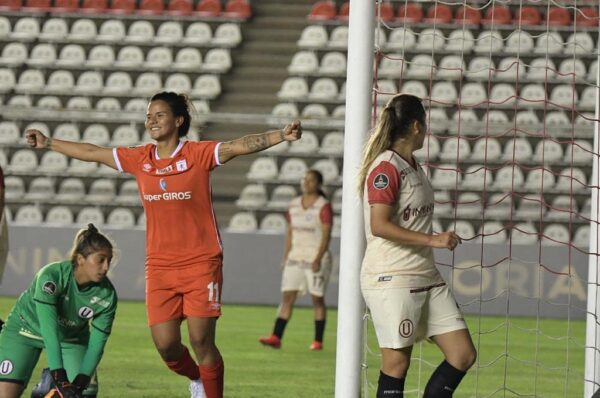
(128, 159)
(383, 184)
(326, 214)
(48, 286)
(207, 154)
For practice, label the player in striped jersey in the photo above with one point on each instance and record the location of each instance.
(306, 259)
(184, 253)
(68, 310)
(406, 295)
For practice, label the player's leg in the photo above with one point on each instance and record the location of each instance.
(317, 285)
(18, 357)
(447, 329)
(202, 338)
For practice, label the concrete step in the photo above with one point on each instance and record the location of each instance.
(267, 59)
(296, 23)
(266, 34)
(258, 72)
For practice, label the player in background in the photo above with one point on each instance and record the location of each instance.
(306, 259)
(3, 232)
(406, 295)
(184, 252)
(68, 310)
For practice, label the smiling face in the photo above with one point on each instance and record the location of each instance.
(94, 267)
(161, 123)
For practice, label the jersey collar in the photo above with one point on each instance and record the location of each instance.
(175, 152)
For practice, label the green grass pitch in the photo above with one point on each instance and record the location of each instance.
(514, 358)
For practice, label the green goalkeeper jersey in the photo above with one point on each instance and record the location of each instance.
(55, 309)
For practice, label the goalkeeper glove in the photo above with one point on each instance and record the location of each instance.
(62, 385)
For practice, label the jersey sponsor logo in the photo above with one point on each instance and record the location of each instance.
(384, 279)
(147, 167)
(165, 170)
(381, 181)
(49, 287)
(86, 312)
(163, 184)
(406, 328)
(100, 302)
(181, 165)
(417, 212)
(6, 367)
(181, 195)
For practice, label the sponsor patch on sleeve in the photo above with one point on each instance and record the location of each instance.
(49, 288)
(381, 181)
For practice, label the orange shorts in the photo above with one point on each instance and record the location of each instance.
(183, 292)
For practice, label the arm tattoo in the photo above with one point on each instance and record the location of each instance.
(255, 143)
(225, 149)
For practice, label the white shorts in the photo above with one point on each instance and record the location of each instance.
(298, 276)
(404, 316)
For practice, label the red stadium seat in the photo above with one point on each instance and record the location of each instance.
(439, 13)
(386, 12)
(497, 15)
(237, 9)
(180, 7)
(470, 16)
(410, 13)
(587, 16)
(344, 11)
(122, 6)
(94, 6)
(558, 16)
(10, 5)
(36, 6)
(151, 7)
(323, 10)
(528, 16)
(65, 6)
(209, 8)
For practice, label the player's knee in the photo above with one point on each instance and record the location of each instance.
(202, 345)
(318, 301)
(169, 352)
(464, 360)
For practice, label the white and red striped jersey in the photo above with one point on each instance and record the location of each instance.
(306, 224)
(394, 181)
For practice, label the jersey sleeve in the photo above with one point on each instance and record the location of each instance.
(383, 184)
(101, 327)
(128, 159)
(326, 214)
(206, 154)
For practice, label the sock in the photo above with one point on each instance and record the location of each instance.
(279, 327)
(319, 329)
(443, 381)
(185, 366)
(390, 387)
(212, 379)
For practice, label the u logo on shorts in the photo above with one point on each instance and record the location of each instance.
(406, 328)
(6, 367)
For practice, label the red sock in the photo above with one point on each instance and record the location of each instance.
(185, 366)
(212, 379)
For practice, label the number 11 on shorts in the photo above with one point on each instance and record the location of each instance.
(213, 291)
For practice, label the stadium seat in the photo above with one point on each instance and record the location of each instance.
(118, 83)
(584, 124)
(140, 32)
(344, 11)
(555, 235)
(438, 14)
(477, 178)
(109, 104)
(517, 150)
(309, 144)
(443, 93)
(469, 205)
(121, 217)
(527, 16)
(387, 88)
(5, 27)
(3, 159)
(315, 36)
(539, 180)
(430, 39)
(125, 135)
(292, 170)
(101, 191)
(179, 83)
(410, 13)
(437, 120)
(9, 133)
(467, 15)
(323, 10)
(446, 176)
(207, 86)
(20, 101)
(562, 208)
(59, 216)
(128, 194)
(412, 87)
(7, 80)
(558, 16)
(158, 58)
(421, 66)
(339, 112)
(281, 197)
(571, 70)
(586, 16)
(151, 7)
(30, 81)
(129, 57)
(89, 215)
(585, 211)
(100, 57)
(519, 42)
(198, 34)
(524, 233)
(338, 40)
(492, 232)
(94, 6)
(462, 228)
(262, 169)
(79, 105)
(10, 5)
(455, 149)
(465, 122)
(243, 222)
(60, 82)
(14, 188)
(572, 180)
(496, 122)
(96, 134)
(67, 131)
(503, 95)
(303, 63)
(252, 197)
(25, 29)
(41, 189)
(314, 111)
(579, 152)
(550, 43)
(122, 7)
(284, 111)
(541, 70)
(489, 41)
(383, 11)
(430, 150)
(533, 96)
(209, 8)
(557, 122)
(237, 9)
(460, 40)
(564, 95)
(53, 163)
(497, 15)
(188, 59)
(49, 103)
(329, 169)
(391, 66)
(54, 29)
(548, 152)
(29, 215)
(227, 35)
(451, 67)
(180, 7)
(333, 64)
(13, 55)
(332, 144)
(147, 84)
(401, 39)
(64, 6)
(274, 223)
(588, 98)
(509, 178)
(323, 89)
(579, 43)
(293, 88)
(82, 168)
(169, 33)
(481, 68)
(510, 69)
(217, 60)
(71, 55)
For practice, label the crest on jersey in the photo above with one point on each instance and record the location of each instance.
(49, 288)
(147, 167)
(381, 181)
(181, 165)
(163, 184)
(86, 312)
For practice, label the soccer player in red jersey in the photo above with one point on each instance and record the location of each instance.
(306, 260)
(406, 295)
(184, 252)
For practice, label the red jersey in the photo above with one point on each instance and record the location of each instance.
(181, 227)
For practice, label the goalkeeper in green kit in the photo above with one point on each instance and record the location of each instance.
(68, 310)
